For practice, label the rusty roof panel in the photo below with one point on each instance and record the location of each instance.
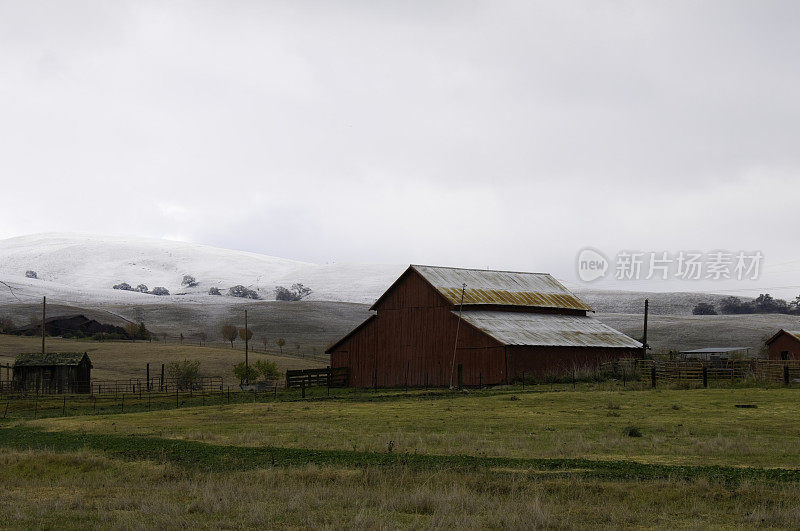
(508, 288)
(552, 330)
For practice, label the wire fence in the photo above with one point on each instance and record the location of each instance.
(31, 406)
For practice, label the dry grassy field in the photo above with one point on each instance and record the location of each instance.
(546, 456)
(121, 360)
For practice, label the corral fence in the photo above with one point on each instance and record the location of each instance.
(327, 377)
(115, 387)
(701, 371)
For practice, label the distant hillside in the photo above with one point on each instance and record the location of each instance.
(679, 303)
(82, 269)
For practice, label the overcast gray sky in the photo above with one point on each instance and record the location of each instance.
(500, 134)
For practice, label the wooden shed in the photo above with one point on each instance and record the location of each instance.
(785, 345)
(510, 323)
(54, 372)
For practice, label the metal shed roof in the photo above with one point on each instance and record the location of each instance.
(37, 359)
(712, 350)
(552, 330)
(508, 288)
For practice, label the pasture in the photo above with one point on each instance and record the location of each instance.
(123, 360)
(546, 456)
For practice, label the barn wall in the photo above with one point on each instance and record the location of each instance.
(782, 343)
(411, 340)
(541, 360)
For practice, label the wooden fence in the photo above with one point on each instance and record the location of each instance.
(330, 377)
(697, 371)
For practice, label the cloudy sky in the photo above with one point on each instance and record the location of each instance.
(488, 134)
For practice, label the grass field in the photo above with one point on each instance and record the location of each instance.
(121, 360)
(546, 456)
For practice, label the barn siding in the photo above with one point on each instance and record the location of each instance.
(784, 342)
(537, 361)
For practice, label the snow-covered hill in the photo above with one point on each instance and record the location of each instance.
(80, 268)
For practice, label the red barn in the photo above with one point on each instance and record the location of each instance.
(785, 345)
(509, 323)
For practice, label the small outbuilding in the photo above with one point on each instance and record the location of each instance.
(441, 325)
(53, 372)
(716, 353)
(785, 345)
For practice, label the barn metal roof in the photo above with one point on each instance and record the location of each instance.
(37, 359)
(507, 288)
(552, 330)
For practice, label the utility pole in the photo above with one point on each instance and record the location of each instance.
(644, 337)
(458, 325)
(44, 302)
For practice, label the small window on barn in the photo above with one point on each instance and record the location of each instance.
(785, 355)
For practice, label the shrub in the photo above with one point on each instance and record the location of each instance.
(184, 372)
(704, 308)
(141, 288)
(214, 291)
(267, 370)
(242, 292)
(189, 281)
(296, 293)
(632, 431)
(31, 274)
(124, 286)
(159, 290)
(6, 325)
(244, 373)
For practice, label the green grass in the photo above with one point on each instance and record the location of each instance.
(683, 427)
(494, 458)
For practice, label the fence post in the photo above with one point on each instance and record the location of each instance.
(6, 411)
(705, 376)
(523, 380)
(785, 375)
(36, 405)
(123, 402)
(64, 407)
(229, 394)
(653, 375)
(276, 391)
(303, 388)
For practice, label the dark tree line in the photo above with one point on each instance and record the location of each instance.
(764, 303)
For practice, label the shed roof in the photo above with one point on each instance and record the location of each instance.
(37, 359)
(792, 333)
(712, 350)
(552, 330)
(504, 288)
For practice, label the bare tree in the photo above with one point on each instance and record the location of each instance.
(229, 332)
(203, 337)
(245, 335)
(281, 342)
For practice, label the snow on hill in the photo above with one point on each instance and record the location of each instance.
(81, 268)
